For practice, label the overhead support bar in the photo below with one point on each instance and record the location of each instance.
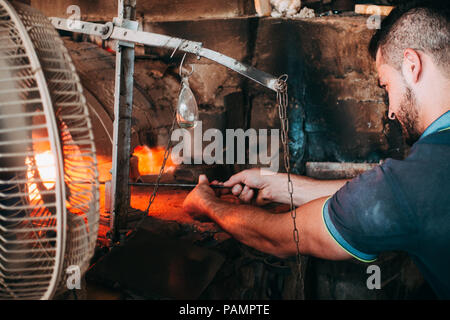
(109, 31)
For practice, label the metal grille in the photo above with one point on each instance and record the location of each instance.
(48, 168)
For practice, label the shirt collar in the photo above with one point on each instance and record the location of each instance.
(441, 123)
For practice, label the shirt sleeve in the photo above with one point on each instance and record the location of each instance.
(370, 214)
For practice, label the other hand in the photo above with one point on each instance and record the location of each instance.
(198, 200)
(252, 185)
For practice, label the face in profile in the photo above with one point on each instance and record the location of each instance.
(402, 103)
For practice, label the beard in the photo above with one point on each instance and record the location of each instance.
(408, 117)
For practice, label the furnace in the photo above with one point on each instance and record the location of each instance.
(191, 88)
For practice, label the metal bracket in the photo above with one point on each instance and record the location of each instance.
(107, 30)
(95, 29)
(125, 24)
(127, 34)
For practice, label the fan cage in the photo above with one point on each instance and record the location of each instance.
(49, 199)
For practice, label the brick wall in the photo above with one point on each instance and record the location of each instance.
(337, 110)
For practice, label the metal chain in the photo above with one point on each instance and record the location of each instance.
(166, 152)
(282, 102)
(161, 171)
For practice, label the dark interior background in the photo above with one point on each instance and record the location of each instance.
(337, 112)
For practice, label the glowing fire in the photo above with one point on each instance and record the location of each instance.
(151, 159)
(47, 168)
(42, 174)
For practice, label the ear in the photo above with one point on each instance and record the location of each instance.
(412, 66)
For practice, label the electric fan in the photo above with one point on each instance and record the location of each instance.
(49, 200)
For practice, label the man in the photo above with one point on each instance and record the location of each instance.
(400, 205)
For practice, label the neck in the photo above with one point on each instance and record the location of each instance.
(437, 103)
(431, 117)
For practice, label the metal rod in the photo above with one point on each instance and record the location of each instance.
(175, 185)
(123, 107)
(152, 184)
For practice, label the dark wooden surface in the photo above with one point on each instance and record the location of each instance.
(105, 10)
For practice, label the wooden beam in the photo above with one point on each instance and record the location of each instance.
(373, 9)
(263, 8)
(150, 10)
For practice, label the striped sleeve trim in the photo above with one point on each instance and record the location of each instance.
(334, 233)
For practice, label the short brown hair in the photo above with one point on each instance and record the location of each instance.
(419, 25)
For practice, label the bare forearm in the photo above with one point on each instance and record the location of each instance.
(253, 226)
(273, 233)
(265, 231)
(305, 189)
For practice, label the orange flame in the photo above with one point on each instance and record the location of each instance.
(41, 170)
(45, 164)
(151, 159)
(47, 168)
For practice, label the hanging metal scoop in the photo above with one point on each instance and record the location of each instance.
(187, 109)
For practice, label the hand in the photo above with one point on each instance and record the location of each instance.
(197, 201)
(251, 185)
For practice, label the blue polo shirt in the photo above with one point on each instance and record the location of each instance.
(401, 206)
